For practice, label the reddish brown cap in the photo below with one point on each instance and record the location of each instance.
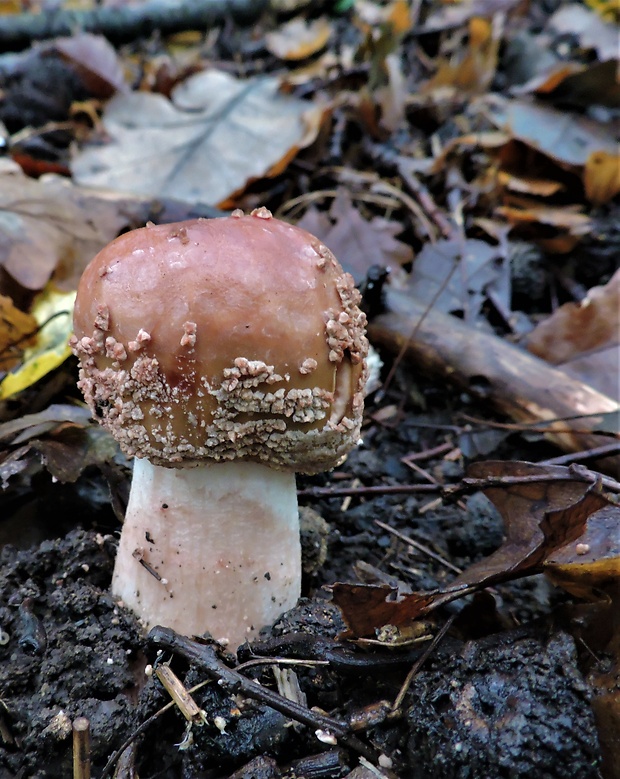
(238, 337)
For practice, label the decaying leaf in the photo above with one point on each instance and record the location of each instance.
(584, 338)
(51, 228)
(63, 436)
(458, 276)
(357, 242)
(16, 333)
(546, 515)
(215, 136)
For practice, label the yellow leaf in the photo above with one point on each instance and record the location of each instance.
(53, 311)
(15, 329)
(601, 176)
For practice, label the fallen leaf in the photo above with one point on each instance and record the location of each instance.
(51, 228)
(545, 511)
(457, 276)
(573, 84)
(601, 177)
(213, 138)
(557, 230)
(16, 332)
(95, 60)
(528, 185)
(470, 71)
(591, 31)
(567, 138)
(584, 338)
(357, 242)
(65, 438)
(53, 313)
(299, 38)
(368, 607)
(590, 563)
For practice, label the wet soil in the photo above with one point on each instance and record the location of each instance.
(504, 694)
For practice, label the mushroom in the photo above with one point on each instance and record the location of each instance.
(224, 355)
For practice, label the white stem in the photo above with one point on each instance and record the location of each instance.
(212, 548)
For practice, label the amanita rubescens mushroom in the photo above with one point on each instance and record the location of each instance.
(224, 355)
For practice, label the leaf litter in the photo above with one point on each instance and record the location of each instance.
(373, 141)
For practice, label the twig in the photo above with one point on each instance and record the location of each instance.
(421, 547)
(81, 748)
(118, 754)
(204, 655)
(466, 485)
(596, 453)
(126, 22)
(420, 662)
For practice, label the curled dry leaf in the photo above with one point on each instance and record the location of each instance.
(566, 138)
(96, 61)
(299, 38)
(545, 512)
(213, 138)
(584, 338)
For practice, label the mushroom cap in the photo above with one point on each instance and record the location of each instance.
(236, 337)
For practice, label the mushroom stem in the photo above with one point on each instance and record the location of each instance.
(224, 534)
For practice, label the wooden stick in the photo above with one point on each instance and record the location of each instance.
(126, 22)
(515, 382)
(81, 748)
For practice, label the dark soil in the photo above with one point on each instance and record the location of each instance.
(503, 695)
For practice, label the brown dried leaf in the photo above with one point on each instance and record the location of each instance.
(366, 607)
(573, 84)
(540, 517)
(557, 230)
(206, 145)
(584, 338)
(544, 511)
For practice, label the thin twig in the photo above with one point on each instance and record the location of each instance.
(466, 485)
(420, 662)
(421, 547)
(204, 655)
